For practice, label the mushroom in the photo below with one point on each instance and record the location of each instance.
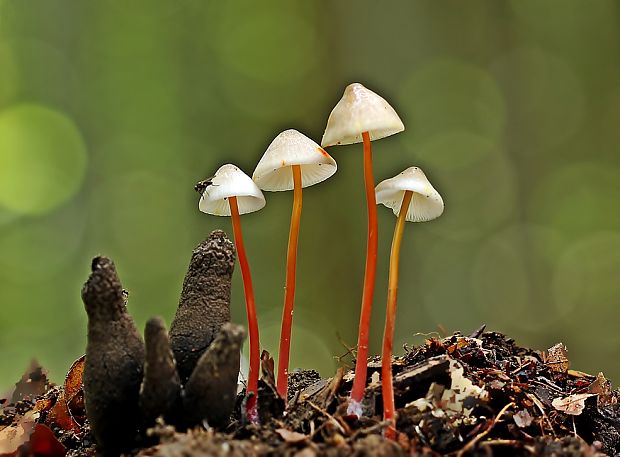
(412, 198)
(362, 116)
(292, 161)
(230, 192)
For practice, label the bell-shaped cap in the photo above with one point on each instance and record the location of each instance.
(230, 181)
(274, 170)
(426, 203)
(360, 110)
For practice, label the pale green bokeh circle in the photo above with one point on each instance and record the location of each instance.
(546, 97)
(475, 178)
(447, 95)
(586, 286)
(268, 60)
(56, 238)
(9, 74)
(272, 45)
(511, 275)
(444, 287)
(578, 198)
(42, 159)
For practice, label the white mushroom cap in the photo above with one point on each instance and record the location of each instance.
(274, 170)
(360, 110)
(426, 203)
(230, 181)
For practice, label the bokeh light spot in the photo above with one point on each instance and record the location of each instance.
(271, 46)
(546, 99)
(511, 276)
(475, 178)
(449, 95)
(37, 248)
(586, 286)
(42, 159)
(578, 198)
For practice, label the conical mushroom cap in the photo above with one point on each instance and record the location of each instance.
(360, 110)
(426, 203)
(230, 181)
(274, 170)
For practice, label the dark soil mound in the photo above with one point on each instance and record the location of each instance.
(475, 395)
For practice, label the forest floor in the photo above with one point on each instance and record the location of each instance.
(461, 395)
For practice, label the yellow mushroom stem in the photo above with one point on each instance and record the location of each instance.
(289, 291)
(390, 319)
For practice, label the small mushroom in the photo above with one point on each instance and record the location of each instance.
(412, 198)
(362, 116)
(230, 192)
(292, 161)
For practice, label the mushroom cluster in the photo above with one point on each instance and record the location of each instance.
(189, 377)
(293, 161)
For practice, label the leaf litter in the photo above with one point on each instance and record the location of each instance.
(455, 396)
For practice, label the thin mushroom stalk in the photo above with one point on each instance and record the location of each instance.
(390, 319)
(292, 161)
(289, 290)
(412, 198)
(230, 192)
(370, 273)
(250, 308)
(362, 116)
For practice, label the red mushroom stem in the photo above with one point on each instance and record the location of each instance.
(361, 364)
(289, 290)
(250, 307)
(390, 319)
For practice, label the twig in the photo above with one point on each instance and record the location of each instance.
(478, 437)
(540, 406)
(368, 430)
(329, 416)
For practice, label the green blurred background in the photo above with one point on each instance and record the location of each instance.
(111, 110)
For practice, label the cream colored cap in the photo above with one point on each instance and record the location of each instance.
(426, 203)
(230, 181)
(274, 170)
(360, 110)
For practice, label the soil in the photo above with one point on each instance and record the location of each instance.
(480, 394)
(176, 395)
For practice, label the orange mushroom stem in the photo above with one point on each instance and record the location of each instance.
(361, 363)
(250, 305)
(289, 292)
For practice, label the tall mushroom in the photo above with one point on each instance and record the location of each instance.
(230, 192)
(412, 198)
(362, 116)
(292, 161)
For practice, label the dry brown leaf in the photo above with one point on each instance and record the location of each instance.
(290, 436)
(573, 404)
(557, 358)
(13, 436)
(68, 411)
(602, 387)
